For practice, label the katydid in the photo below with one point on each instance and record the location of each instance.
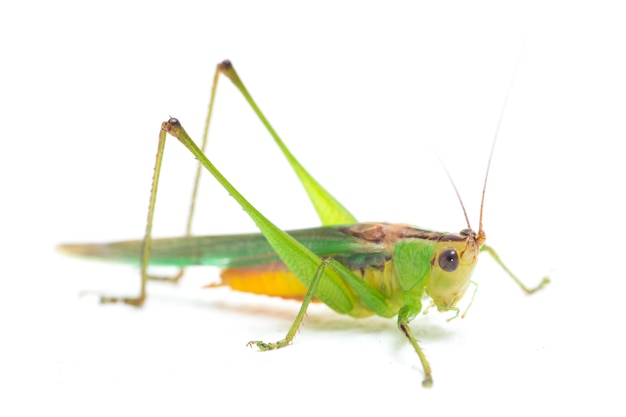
(359, 269)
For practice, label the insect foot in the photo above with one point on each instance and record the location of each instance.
(268, 346)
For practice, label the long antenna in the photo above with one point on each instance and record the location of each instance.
(495, 138)
(469, 227)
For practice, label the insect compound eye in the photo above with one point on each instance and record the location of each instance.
(449, 260)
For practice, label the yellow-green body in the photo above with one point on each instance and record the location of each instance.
(355, 268)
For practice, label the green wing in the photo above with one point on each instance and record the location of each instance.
(244, 250)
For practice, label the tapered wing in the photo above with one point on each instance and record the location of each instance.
(244, 250)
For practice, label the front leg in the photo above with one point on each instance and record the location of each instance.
(405, 315)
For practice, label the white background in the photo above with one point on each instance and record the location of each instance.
(366, 95)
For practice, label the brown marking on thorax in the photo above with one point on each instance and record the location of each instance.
(389, 234)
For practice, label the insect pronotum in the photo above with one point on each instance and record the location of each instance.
(359, 269)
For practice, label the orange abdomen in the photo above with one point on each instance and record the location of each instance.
(273, 282)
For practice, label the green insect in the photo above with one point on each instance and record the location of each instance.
(359, 269)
